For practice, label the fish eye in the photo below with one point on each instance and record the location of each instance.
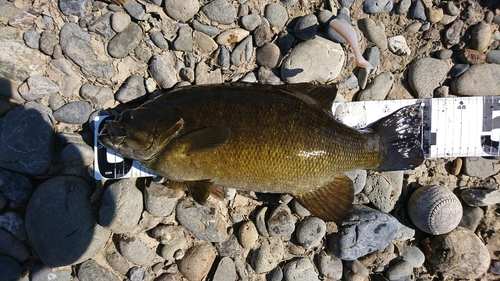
(126, 116)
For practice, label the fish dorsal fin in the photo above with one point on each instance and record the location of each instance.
(199, 190)
(332, 201)
(320, 95)
(206, 139)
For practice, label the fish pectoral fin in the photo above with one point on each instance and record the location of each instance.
(217, 192)
(332, 201)
(199, 190)
(206, 139)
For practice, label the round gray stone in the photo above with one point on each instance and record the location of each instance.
(126, 41)
(276, 14)
(480, 167)
(75, 44)
(400, 270)
(162, 69)
(425, 75)
(267, 256)
(184, 41)
(414, 256)
(306, 27)
(75, 112)
(120, 21)
(204, 221)
(377, 6)
(159, 40)
(136, 251)
(61, 224)
(37, 87)
(132, 89)
(182, 10)
(251, 22)
(300, 269)
(121, 206)
(373, 32)
(31, 38)
(330, 266)
(159, 200)
(226, 271)
(268, 55)
(478, 80)
(379, 88)
(281, 222)
(220, 11)
(310, 232)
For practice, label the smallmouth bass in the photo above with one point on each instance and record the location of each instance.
(263, 138)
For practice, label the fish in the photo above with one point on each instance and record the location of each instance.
(263, 138)
(349, 34)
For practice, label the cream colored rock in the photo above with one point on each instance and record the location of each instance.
(434, 209)
(197, 262)
(232, 36)
(248, 234)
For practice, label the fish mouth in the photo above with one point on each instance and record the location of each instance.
(111, 136)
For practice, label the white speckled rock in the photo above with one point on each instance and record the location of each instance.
(435, 209)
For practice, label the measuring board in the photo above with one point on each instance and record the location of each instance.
(451, 127)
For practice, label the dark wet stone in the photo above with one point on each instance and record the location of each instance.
(18, 151)
(61, 223)
(11, 246)
(10, 268)
(15, 187)
(42, 272)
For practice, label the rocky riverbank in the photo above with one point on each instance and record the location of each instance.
(61, 61)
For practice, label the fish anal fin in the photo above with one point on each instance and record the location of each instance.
(332, 201)
(206, 139)
(217, 192)
(199, 190)
(175, 185)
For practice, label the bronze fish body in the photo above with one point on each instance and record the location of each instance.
(277, 139)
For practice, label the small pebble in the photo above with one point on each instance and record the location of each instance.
(226, 270)
(471, 56)
(275, 275)
(132, 89)
(434, 15)
(403, 7)
(452, 36)
(260, 221)
(123, 43)
(479, 166)
(300, 269)
(136, 250)
(478, 80)
(306, 27)
(441, 92)
(262, 35)
(268, 55)
(444, 54)
(13, 223)
(15, 187)
(276, 14)
(373, 32)
(159, 40)
(425, 75)
(137, 274)
(495, 267)
(243, 52)
(31, 38)
(197, 262)
(182, 10)
(330, 266)
(90, 270)
(378, 88)
(229, 248)
(76, 112)
(184, 41)
(458, 69)
(207, 29)
(135, 10)
(224, 59)
(417, 11)
(289, 3)
(281, 222)
(162, 69)
(399, 271)
(480, 36)
(220, 11)
(413, 28)
(310, 232)
(471, 217)
(377, 6)
(267, 256)
(251, 22)
(493, 56)
(248, 235)
(355, 271)
(451, 9)
(232, 36)
(481, 197)
(414, 256)
(120, 21)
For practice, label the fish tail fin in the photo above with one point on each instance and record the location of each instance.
(401, 135)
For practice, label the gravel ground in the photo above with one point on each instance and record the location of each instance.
(61, 61)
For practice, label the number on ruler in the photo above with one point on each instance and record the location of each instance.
(461, 106)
